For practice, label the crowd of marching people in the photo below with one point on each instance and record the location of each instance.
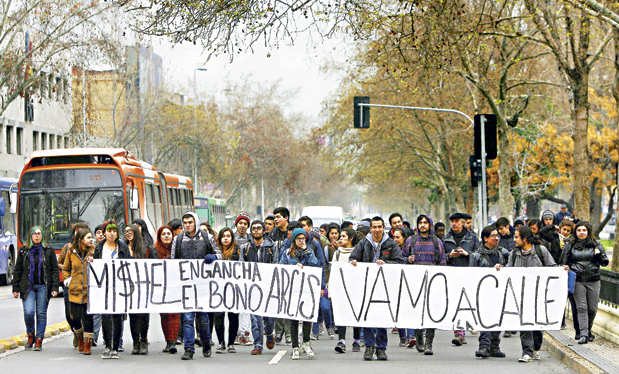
(553, 240)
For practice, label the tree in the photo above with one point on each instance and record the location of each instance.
(51, 30)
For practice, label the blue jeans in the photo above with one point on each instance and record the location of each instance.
(258, 327)
(324, 314)
(406, 333)
(375, 337)
(36, 302)
(203, 325)
(96, 327)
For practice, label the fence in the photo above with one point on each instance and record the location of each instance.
(609, 290)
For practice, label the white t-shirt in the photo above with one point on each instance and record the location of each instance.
(108, 254)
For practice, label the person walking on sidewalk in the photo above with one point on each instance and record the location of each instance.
(300, 254)
(377, 247)
(528, 253)
(488, 255)
(584, 256)
(35, 279)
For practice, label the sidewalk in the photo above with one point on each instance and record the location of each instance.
(599, 356)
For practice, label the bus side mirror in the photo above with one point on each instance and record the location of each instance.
(13, 202)
(2, 207)
(133, 204)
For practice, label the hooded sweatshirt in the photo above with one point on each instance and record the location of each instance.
(424, 249)
(194, 246)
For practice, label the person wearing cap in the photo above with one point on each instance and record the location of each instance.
(377, 247)
(193, 243)
(459, 244)
(300, 254)
(549, 234)
(241, 236)
(563, 214)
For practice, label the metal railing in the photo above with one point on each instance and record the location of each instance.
(609, 288)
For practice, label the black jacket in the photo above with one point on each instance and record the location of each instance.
(550, 235)
(389, 251)
(262, 254)
(584, 262)
(22, 271)
(467, 243)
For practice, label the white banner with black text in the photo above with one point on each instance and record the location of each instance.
(179, 286)
(448, 298)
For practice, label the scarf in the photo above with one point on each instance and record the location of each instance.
(38, 250)
(458, 237)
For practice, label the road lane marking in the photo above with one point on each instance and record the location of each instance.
(277, 357)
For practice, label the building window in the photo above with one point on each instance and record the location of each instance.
(65, 90)
(50, 89)
(43, 83)
(66, 142)
(51, 141)
(59, 142)
(43, 141)
(9, 132)
(35, 140)
(58, 88)
(18, 140)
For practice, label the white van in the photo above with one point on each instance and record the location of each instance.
(324, 214)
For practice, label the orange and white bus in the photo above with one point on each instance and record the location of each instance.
(60, 187)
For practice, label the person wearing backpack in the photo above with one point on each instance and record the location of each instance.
(488, 255)
(193, 243)
(528, 253)
(425, 249)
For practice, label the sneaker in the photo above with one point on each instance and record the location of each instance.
(93, 343)
(482, 353)
(464, 341)
(114, 355)
(497, 353)
(231, 349)
(356, 347)
(188, 355)
(369, 354)
(314, 336)
(412, 342)
(270, 342)
(507, 334)
(206, 351)
(457, 341)
(106, 353)
(121, 349)
(197, 342)
(525, 358)
(256, 351)
(307, 348)
(331, 333)
(221, 348)
(278, 339)
(591, 336)
(295, 354)
(395, 331)
(474, 332)
(536, 356)
(288, 341)
(244, 341)
(340, 347)
(381, 354)
(403, 342)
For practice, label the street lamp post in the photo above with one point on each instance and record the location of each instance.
(195, 123)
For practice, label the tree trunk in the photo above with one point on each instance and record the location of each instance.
(506, 200)
(533, 208)
(615, 260)
(580, 116)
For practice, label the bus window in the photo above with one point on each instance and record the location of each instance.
(150, 202)
(179, 204)
(9, 224)
(158, 206)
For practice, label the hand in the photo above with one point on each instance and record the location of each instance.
(54, 293)
(597, 251)
(380, 262)
(67, 282)
(353, 262)
(16, 294)
(300, 265)
(463, 252)
(453, 254)
(303, 246)
(209, 258)
(411, 259)
(90, 259)
(497, 267)
(566, 268)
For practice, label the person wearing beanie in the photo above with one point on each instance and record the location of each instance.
(241, 237)
(548, 218)
(300, 254)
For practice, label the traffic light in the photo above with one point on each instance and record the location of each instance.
(490, 135)
(361, 114)
(475, 167)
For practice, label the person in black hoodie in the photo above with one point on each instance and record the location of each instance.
(146, 237)
(584, 256)
(550, 235)
(111, 324)
(506, 231)
(35, 279)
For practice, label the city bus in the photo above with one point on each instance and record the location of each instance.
(211, 211)
(60, 187)
(8, 235)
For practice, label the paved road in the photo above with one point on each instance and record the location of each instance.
(12, 313)
(447, 359)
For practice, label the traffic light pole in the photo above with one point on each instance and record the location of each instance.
(483, 210)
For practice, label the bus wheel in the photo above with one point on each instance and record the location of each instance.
(10, 268)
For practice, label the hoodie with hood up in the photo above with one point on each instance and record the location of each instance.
(195, 246)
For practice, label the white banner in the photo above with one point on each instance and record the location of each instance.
(178, 286)
(448, 298)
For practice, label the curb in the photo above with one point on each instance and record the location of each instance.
(571, 359)
(20, 340)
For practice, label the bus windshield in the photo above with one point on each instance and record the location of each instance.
(55, 206)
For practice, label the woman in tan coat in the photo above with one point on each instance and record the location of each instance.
(75, 272)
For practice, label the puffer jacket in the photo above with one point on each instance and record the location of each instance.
(307, 258)
(389, 251)
(76, 267)
(22, 271)
(584, 262)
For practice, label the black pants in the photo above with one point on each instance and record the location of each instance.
(294, 332)
(81, 318)
(67, 309)
(489, 340)
(341, 332)
(111, 324)
(531, 341)
(233, 327)
(138, 323)
(570, 297)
